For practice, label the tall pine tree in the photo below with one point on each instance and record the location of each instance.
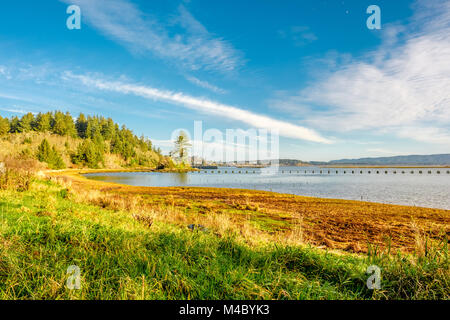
(4, 126)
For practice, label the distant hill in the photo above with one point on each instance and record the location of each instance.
(425, 160)
(433, 159)
(292, 163)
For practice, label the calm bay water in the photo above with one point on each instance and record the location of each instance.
(415, 189)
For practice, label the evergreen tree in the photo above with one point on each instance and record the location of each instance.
(149, 145)
(44, 151)
(59, 125)
(128, 151)
(116, 144)
(88, 154)
(81, 126)
(56, 161)
(4, 126)
(71, 131)
(107, 128)
(14, 126)
(181, 146)
(142, 142)
(49, 155)
(97, 139)
(43, 122)
(25, 124)
(93, 127)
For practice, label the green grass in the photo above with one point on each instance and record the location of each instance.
(43, 231)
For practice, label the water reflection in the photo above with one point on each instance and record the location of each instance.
(181, 178)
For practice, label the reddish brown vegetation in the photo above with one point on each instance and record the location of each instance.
(336, 224)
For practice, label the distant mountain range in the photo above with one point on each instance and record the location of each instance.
(292, 163)
(428, 160)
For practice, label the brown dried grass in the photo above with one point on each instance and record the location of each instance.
(335, 224)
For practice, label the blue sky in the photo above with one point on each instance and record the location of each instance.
(311, 69)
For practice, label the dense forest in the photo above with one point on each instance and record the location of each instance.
(95, 137)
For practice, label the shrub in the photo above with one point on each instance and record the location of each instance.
(50, 155)
(88, 154)
(27, 141)
(15, 179)
(26, 154)
(17, 173)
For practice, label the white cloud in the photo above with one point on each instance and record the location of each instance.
(426, 134)
(12, 97)
(205, 84)
(402, 88)
(17, 109)
(5, 72)
(195, 48)
(286, 129)
(299, 35)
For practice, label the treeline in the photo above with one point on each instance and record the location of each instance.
(100, 136)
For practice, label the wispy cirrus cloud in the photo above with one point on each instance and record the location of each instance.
(194, 48)
(202, 105)
(402, 88)
(17, 109)
(4, 72)
(205, 84)
(299, 35)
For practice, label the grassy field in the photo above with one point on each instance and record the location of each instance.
(134, 243)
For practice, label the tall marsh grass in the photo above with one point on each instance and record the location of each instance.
(17, 174)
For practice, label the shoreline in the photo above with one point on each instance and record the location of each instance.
(349, 225)
(225, 188)
(111, 170)
(348, 166)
